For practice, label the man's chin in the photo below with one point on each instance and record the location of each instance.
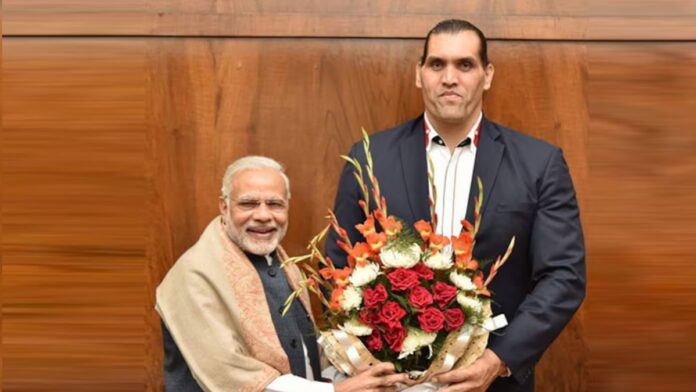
(260, 248)
(451, 115)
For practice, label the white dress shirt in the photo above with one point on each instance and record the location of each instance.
(452, 173)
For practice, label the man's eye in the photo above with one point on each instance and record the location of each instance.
(436, 65)
(465, 66)
(275, 204)
(248, 204)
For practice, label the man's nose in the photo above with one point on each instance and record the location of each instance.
(449, 77)
(262, 213)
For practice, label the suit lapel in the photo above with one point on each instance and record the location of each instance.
(488, 156)
(415, 170)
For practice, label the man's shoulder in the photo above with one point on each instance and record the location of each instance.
(390, 138)
(523, 141)
(205, 251)
(397, 131)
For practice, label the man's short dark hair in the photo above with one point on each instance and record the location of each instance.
(453, 26)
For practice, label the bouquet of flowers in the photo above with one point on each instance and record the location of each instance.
(408, 295)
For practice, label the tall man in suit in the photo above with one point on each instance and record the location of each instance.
(528, 193)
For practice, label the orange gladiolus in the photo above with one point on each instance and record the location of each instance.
(311, 282)
(437, 242)
(362, 205)
(336, 296)
(478, 282)
(376, 241)
(424, 229)
(391, 226)
(368, 227)
(472, 265)
(326, 273)
(345, 247)
(340, 276)
(467, 226)
(463, 245)
(360, 253)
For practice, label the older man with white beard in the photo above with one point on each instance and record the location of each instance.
(221, 302)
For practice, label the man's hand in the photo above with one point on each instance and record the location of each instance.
(475, 378)
(377, 378)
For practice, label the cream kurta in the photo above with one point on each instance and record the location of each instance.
(213, 303)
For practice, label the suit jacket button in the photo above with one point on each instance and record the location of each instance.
(293, 343)
(272, 272)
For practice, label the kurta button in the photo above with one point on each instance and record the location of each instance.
(293, 343)
(272, 272)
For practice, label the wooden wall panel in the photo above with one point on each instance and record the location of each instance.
(1, 215)
(509, 19)
(641, 222)
(73, 215)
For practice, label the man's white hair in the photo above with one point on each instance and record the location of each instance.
(249, 163)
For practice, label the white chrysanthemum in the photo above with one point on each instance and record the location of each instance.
(364, 275)
(470, 304)
(352, 297)
(356, 328)
(401, 258)
(462, 281)
(441, 260)
(415, 340)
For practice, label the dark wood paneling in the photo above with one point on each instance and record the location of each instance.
(1, 215)
(641, 223)
(509, 19)
(73, 215)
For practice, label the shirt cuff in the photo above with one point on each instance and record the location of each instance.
(507, 373)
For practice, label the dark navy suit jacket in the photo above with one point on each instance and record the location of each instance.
(528, 193)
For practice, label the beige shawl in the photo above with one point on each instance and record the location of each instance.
(213, 303)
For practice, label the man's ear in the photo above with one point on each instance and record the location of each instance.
(222, 205)
(489, 71)
(418, 77)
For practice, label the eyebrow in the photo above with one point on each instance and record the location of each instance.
(256, 198)
(456, 60)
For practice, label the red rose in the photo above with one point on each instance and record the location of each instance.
(420, 297)
(391, 314)
(403, 279)
(374, 341)
(376, 296)
(369, 316)
(431, 320)
(444, 293)
(423, 271)
(395, 337)
(454, 318)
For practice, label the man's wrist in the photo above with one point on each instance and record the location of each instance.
(503, 369)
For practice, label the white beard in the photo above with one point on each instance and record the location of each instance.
(252, 245)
